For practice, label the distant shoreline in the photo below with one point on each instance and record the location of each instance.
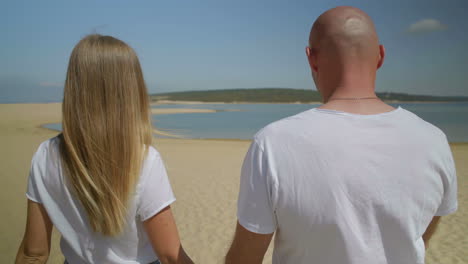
(37, 116)
(181, 102)
(283, 95)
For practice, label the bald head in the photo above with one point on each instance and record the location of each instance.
(344, 52)
(345, 31)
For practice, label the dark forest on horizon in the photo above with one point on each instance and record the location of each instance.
(285, 95)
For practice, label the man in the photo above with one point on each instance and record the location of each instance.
(353, 181)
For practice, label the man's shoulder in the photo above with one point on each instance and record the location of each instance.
(426, 127)
(313, 120)
(285, 126)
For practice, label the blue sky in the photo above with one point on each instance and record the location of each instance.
(199, 45)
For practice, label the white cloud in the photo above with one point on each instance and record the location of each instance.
(50, 84)
(426, 26)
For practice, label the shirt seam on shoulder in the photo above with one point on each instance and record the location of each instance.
(274, 179)
(258, 145)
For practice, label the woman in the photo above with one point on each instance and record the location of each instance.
(101, 183)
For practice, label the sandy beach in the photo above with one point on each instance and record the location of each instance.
(205, 178)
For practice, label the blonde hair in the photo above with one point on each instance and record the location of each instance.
(106, 129)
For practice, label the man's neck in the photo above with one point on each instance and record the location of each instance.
(364, 102)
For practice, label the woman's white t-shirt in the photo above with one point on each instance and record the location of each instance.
(79, 244)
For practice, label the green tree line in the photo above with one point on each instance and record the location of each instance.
(284, 95)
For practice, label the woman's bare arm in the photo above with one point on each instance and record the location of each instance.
(162, 232)
(35, 247)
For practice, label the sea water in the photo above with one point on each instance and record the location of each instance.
(242, 121)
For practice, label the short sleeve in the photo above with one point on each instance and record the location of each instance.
(35, 176)
(155, 190)
(449, 202)
(254, 208)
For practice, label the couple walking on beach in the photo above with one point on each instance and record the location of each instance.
(352, 181)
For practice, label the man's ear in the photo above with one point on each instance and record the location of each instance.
(312, 58)
(381, 56)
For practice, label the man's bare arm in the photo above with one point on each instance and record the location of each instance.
(430, 230)
(248, 247)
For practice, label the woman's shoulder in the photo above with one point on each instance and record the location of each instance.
(153, 162)
(152, 151)
(152, 155)
(47, 148)
(44, 162)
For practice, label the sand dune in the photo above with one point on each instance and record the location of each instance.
(205, 178)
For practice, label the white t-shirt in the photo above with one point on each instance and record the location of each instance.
(79, 244)
(345, 188)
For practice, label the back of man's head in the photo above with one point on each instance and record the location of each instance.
(345, 33)
(343, 44)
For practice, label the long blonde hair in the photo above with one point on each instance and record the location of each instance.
(106, 129)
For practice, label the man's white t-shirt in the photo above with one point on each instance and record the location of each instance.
(346, 188)
(79, 244)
